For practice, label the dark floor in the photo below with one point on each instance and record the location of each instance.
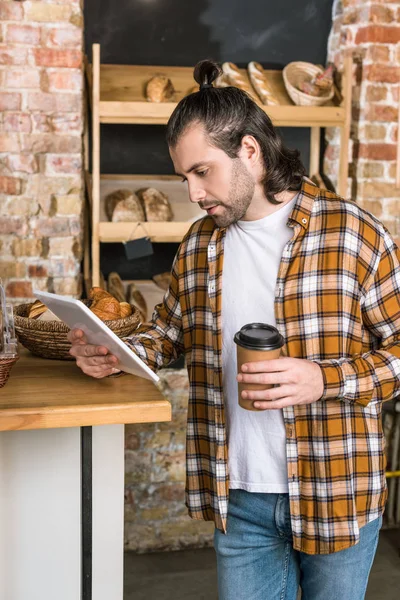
(191, 574)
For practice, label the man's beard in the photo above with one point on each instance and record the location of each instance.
(240, 195)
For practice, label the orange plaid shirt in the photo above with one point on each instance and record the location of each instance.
(337, 304)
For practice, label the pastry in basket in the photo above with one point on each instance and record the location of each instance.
(122, 206)
(156, 204)
(107, 309)
(116, 287)
(136, 299)
(163, 280)
(160, 89)
(36, 309)
(48, 315)
(260, 83)
(126, 309)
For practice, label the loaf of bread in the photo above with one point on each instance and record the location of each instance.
(260, 83)
(135, 298)
(233, 76)
(123, 206)
(36, 309)
(126, 309)
(156, 204)
(116, 287)
(160, 89)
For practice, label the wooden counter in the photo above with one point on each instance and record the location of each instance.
(43, 394)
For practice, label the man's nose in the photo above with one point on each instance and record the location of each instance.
(196, 193)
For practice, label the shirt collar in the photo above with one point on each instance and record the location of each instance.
(302, 209)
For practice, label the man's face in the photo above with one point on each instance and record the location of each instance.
(220, 185)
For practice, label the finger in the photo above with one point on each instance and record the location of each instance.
(87, 350)
(75, 335)
(276, 364)
(275, 404)
(101, 361)
(271, 394)
(279, 378)
(98, 372)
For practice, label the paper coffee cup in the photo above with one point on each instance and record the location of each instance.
(256, 342)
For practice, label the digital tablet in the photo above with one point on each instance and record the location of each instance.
(78, 316)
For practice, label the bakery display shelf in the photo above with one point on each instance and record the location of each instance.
(117, 95)
(123, 87)
(185, 212)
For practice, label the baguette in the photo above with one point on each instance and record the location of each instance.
(136, 299)
(260, 83)
(233, 76)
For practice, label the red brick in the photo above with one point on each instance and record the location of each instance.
(14, 225)
(381, 14)
(48, 57)
(13, 55)
(67, 122)
(395, 93)
(378, 112)
(382, 73)
(37, 271)
(394, 133)
(19, 289)
(47, 142)
(59, 36)
(20, 122)
(22, 78)
(63, 164)
(378, 34)
(378, 151)
(11, 11)
(65, 80)
(25, 163)
(10, 142)
(42, 123)
(23, 34)
(52, 102)
(10, 101)
(376, 93)
(10, 185)
(378, 53)
(52, 226)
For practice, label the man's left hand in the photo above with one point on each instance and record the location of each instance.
(300, 381)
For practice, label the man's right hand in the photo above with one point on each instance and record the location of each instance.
(95, 361)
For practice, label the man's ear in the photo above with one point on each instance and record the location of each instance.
(250, 151)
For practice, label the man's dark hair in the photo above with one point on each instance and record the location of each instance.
(227, 115)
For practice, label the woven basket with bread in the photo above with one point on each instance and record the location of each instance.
(43, 334)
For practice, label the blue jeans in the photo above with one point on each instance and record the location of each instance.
(256, 560)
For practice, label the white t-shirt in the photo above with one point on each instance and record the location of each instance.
(256, 440)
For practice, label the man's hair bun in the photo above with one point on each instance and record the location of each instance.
(206, 72)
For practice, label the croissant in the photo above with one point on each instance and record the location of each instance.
(97, 293)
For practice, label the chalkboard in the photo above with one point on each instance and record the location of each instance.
(182, 32)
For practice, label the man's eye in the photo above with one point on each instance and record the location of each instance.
(201, 173)
(184, 179)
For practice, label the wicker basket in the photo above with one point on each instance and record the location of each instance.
(294, 74)
(6, 364)
(48, 339)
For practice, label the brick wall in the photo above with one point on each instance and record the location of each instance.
(371, 31)
(41, 108)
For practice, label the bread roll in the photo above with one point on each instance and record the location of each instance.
(234, 77)
(160, 89)
(107, 309)
(126, 309)
(156, 204)
(135, 298)
(123, 206)
(116, 287)
(260, 83)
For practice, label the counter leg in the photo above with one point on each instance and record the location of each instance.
(86, 511)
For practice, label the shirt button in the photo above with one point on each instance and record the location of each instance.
(290, 432)
(304, 221)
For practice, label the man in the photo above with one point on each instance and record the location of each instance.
(296, 489)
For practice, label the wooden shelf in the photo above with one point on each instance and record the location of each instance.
(185, 212)
(122, 98)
